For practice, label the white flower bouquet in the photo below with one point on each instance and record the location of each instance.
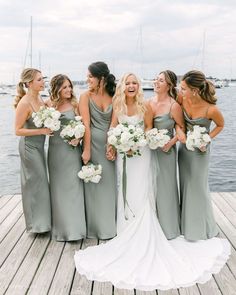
(127, 139)
(90, 172)
(47, 117)
(73, 129)
(157, 138)
(197, 138)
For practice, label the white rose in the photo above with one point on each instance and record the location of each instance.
(96, 178)
(206, 137)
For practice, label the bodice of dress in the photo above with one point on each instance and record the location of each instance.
(36, 140)
(99, 119)
(134, 120)
(202, 122)
(65, 116)
(165, 122)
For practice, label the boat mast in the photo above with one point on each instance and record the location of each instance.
(203, 52)
(31, 41)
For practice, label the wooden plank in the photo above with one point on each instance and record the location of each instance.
(11, 239)
(225, 225)
(10, 220)
(232, 261)
(25, 274)
(123, 292)
(168, 292)
(139, 292)
(102, 287)
(189, 291)
(209, 288)
(14, 260)
(9, 207)
(4, 200)
(47, 269)
(233, 194)
(81, 285)
(62, 281)
(230, 199)
(226, 281)
(225, 208)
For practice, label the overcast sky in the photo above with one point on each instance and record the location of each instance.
(143, 36)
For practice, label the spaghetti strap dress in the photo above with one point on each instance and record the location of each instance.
(34, 182)
(167, 195)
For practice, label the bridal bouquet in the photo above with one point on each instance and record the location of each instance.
(90, 172)
(127, 139)
(157, 138)
(47, 117)
(73, 129)
(197, 138)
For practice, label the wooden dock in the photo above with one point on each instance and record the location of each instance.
(36, 265)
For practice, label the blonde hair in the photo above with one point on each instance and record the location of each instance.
(55, 89)
(119, 99)
(27, 76)
(197, 80)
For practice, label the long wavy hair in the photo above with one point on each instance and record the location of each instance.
(119, 99)
(26, 76)
(197, 80)
(171, 80)
(55, 89)
(101, 71)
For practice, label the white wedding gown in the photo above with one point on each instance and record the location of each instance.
(140, 256)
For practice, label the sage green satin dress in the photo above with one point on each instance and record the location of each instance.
(167, 196)
(34, 182)
(197, 219)
(101, 198)
(66, 188)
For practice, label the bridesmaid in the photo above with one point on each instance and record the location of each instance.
(166, 114)
(34, 181)
(199, 105)
(67, 192)
(96, 109)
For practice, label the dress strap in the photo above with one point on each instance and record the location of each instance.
(207, 111)
(32, 107)
(171, 107)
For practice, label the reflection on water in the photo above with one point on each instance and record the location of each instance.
(222, 175)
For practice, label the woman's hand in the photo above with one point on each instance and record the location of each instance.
(181, 137)
(167, 147)
(86, 156)
(110, 153)
(203, 148)
(74, 142)
(46, 131)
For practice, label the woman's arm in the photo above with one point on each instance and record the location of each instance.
(84, 112)
(177, 115)
(215, 114)
(148, 117)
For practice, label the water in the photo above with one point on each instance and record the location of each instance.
(222, 174)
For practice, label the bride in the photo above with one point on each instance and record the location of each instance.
(140, 256)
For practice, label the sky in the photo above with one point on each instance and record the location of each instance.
(140, 36)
